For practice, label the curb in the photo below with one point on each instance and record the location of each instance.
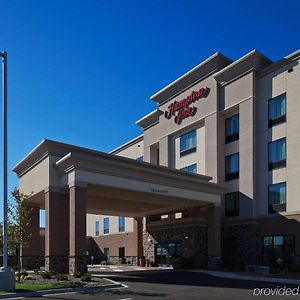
(234, 276)
(98, 288)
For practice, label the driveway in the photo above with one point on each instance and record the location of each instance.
(173, 285)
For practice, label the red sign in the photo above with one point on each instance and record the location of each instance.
(182, 109)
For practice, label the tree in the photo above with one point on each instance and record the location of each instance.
(18, 225)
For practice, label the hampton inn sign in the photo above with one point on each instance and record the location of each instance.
(182, 109)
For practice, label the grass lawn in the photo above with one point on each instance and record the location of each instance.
(31, 287)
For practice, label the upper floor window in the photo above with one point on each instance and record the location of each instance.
(277, 110)
(188, 143)
(232, 204)
(97, 228)
(190, 169)
(141, 158)
(277, 197)
(277, 154)
(232, 129)
(121, 224)
(232, 166)
(106, 225)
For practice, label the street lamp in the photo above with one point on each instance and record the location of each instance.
(7, 278)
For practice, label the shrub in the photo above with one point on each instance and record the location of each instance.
(77, 274)
(52, 272)
(29, 278)
(23, 272)
(61, 277)
(86, 277)
(46, 275)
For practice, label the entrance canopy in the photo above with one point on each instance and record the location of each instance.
(115, 185)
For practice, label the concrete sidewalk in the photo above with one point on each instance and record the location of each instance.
(237, 276)
(123, 268)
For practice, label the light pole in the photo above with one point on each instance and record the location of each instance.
(7, 279)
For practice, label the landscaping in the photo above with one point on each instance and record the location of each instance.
(38, 281)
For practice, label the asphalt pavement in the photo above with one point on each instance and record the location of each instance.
(173, 284)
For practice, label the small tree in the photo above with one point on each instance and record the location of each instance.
(18, 225)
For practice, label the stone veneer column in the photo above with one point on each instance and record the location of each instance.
(57, 231)
(138, 230)
(31, 256)
(77, 254)
(213, 236)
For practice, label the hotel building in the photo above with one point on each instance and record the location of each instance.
(213, 179)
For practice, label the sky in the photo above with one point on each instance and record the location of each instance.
(82, 71)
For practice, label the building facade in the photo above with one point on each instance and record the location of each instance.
(237, 122)
(213, 179)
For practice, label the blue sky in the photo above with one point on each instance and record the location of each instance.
(82, 71)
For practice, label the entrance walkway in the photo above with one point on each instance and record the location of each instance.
(123, 268)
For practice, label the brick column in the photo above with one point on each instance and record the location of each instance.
(31, 256)
(57, 231)
(138, 230)
(214, 236)
(77, 253)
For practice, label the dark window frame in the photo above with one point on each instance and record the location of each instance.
(280, 119)
(232, 175)
(121, 228)
(189, 150)
(232, 212)
(273, 165)
(183, 169)
(105, 230)
(284, 246)
(235, 136)
(274, 208)
(97, 232)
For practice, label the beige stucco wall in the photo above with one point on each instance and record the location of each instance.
(272, 85)
(113, 224)
(134, 151)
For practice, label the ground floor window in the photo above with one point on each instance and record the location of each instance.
(106, 253)
(165, 252)
(278, 247)
(122, 252)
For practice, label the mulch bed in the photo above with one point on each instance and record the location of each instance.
(72, 281)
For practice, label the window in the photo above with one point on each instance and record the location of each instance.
(232, 167)
(277, 110)
(278, 246)
(106, 253)
(121, 224)
(188, 143)
(277, 154)
(232, 129)
(178, 215)
(122, 252)
(232, 204)
(106, 225)
(190, 169)
(277, 197)
(141, 158)
(97, 228)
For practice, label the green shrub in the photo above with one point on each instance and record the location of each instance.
(77, 274)
(46, 275)
(23, 272)
(86, 277)
(29, 278)
(52, 273)
(61, 277)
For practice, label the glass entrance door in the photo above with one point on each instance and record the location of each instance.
(166, 251)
